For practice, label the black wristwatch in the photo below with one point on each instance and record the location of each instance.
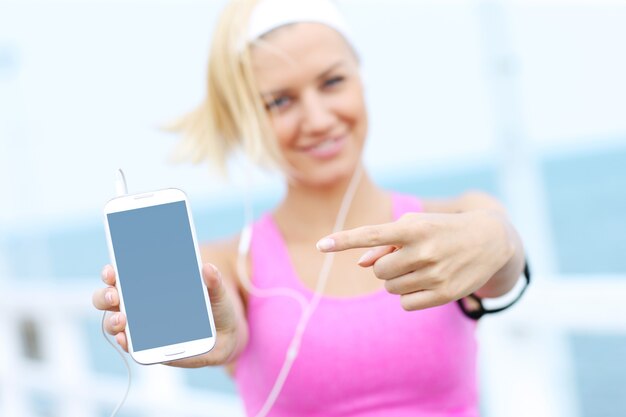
(476, 313)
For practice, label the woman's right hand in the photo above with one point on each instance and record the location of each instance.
(227, 312)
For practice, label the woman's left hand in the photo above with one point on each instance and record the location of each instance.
(430, 259)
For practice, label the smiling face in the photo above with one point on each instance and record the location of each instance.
(308, 78)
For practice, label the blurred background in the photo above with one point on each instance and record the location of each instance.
(522, 99)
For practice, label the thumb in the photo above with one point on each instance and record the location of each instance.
(214, 283)
(221, 303)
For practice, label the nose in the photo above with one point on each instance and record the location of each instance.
(317, 116)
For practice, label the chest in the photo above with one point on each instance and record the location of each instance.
(345, 279)
(359, 352)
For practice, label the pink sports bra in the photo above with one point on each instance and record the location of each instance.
(360, 356)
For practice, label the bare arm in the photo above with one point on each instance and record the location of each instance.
(455, 248)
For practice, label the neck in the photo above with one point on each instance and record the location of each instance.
(311, 212)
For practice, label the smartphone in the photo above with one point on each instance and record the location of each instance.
(153, 248)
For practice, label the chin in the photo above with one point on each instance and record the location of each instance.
(327, 175)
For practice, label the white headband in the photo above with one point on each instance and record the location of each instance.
(271, 14)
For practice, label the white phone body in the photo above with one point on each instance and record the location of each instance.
(153, 248)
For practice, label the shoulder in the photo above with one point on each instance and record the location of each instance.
(219, 249)
(469, 200)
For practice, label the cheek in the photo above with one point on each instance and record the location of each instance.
(285, 128)
(353, 104)
(356, 115)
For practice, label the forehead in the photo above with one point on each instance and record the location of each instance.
(297, 52)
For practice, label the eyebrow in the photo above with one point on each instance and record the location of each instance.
(330, 69)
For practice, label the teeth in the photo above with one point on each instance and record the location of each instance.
(326, 144)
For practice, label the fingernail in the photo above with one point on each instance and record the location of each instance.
(366, 257)
(217, 272)
(325, 244)
(109, 297)
(115, 319)
(104, 274)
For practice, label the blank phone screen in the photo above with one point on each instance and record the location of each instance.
(158, 273)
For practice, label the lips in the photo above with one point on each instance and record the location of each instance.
(325, 149)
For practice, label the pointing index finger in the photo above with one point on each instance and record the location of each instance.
(362, 237)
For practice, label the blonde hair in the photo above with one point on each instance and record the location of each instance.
(233, 116)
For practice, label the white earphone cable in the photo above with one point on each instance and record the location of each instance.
(128, 370)
(121, 189)
(308, 307)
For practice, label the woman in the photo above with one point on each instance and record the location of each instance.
(384, 336)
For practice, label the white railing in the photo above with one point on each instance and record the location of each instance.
(525, 363)
(65, 377)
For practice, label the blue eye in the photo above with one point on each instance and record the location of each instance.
(277, 103)
(333, 81)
